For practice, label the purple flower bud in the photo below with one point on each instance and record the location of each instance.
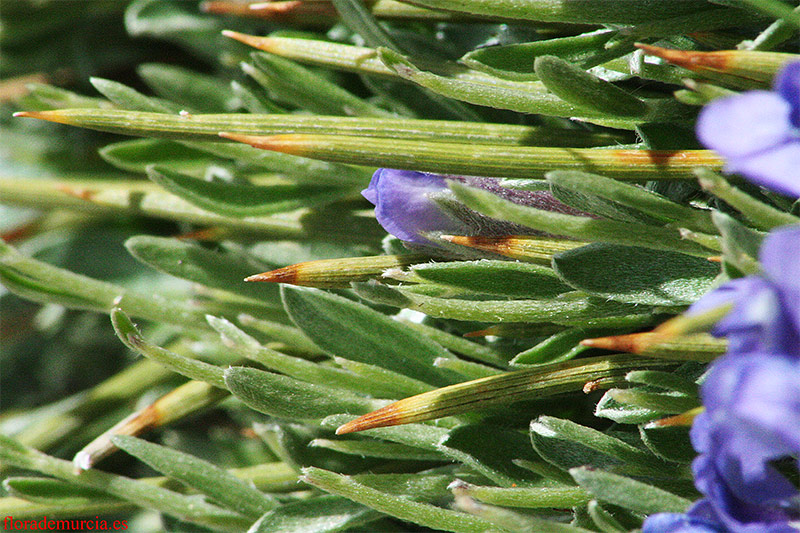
(404, 205)
(758, 133)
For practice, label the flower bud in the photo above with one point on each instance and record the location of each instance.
(406, 205)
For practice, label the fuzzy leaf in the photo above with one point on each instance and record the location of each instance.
(628, 493)
(137, 155)
(567, 444)
(585, 90)
(505, 278)
(319, 514)
(285, 397)
(396, 506)
(203, 476)
(640, 276)
(243, 200)
(224, 269)
(491, 451)
(353, 331)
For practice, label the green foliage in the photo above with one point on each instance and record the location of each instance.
(498, 425)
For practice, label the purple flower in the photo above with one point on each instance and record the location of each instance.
(696, 520)
(758, 133)
(752, 403)
(752, 418)
(404, 205)
(766, 310)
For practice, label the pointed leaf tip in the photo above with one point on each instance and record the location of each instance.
(391, 415)
(280, 275)
(42, 115)
(632, 343)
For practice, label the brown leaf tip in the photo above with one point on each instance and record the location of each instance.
(52, 116)
(391, 415)
(289, 274)
(632, 343)
(688, 59)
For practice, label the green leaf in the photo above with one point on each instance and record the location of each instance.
(353, 331)
(569, 309)
(145, 117)
(490, 91)
(571, 11)
(223, 269)
(669, 442)
(381, 382)
(132, 338)
(575, 85)
(665, 380)
(516, 61)
(505, 278)
(196, 92)
(318, 514)
(137, 155)
(243, 200)
(459, 345)
(189, 508)
(491, 451)
(359, 20)
(762, 215)
(530, 383)
(665, 403)
(536, 497)
(640, 275)
(582, 228)
(382, 385)
(160, 119)
(396, 506)
(524, 97)
(595, 188)
(557, 347)
(129, 98)
(487, 160)
(288, 398)
(54, 491)
(567, 444)
(45, 283)
(624, 413)
(207, 478)
(608, 522)
(296, 84)
(740, 246)
(370, 448)
(628, 493)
